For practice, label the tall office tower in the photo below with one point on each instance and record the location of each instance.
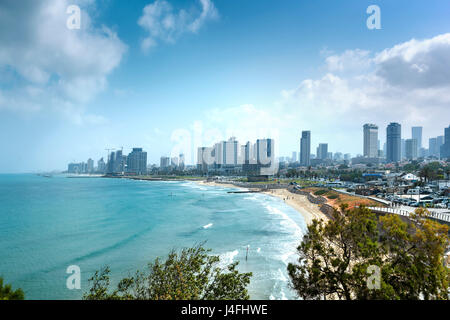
(305, 148)
(101, 166)
(111, 163)
(119, 163)
(403, 150)
(219, 153)
(294, 156)
(181, 163)
(322, 151)
(416, 133)
(204, 158)
(393, 142)
(411, 149)
(90, 166)
(370, 140)
(265, 157)
(137, 161)
(231, 148)
(164, 162)
(432, 147)
(439, 143)
(264, 151)
(445, 148)
(249, 153)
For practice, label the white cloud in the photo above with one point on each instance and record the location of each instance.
(358, 87)
(417, 64)
(56, 68)
(408, 83)
(164, 24)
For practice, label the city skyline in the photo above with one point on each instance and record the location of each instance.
(223, 72)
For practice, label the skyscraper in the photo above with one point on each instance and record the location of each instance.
(416, 133)
(305, 148)
(294, 156)
(90, 166)
(322, 151)
(265, 157)
(370, 140)
(164, 162)
(393, 142)
(433, 150)
(101, 166)
(445, 148)
(137, 162)
(411, 149)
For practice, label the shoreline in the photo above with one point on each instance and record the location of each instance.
(300, 203)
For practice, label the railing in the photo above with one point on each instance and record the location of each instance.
(432, 214)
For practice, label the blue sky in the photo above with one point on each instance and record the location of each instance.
(214, 68)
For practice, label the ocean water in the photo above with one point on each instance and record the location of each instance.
(48, 224)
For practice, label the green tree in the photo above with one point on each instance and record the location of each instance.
(335, 257)
(7, 293)
(191, 274)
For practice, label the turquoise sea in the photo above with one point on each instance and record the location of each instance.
(48, 224)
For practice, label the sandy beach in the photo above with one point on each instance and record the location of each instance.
(308, 210)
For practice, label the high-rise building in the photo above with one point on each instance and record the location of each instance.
(231, 152)
(90, 166)
(137, 162)
(411, 149)
(164, 162)
(181, 162)
(101, 166)
(433, 150)
(305, 148)
(416, 133)
(111, 163)
(119, 162)
(294, 156)
(403, 149)
(115, 163)
(445, 148)
(393, 142)
(322, 151)
(370, 140)
(265, 156)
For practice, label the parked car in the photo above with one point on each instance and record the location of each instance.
(413, 191)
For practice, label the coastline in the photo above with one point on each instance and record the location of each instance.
(300, 203)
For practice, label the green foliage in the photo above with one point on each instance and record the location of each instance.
(335, 256)
(191, 274)
(7, 293)
(333, 196)
(320, 192)
(432, 171)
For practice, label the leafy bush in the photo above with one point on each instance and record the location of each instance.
(191, 274)
(7, 293)
(320, 192)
